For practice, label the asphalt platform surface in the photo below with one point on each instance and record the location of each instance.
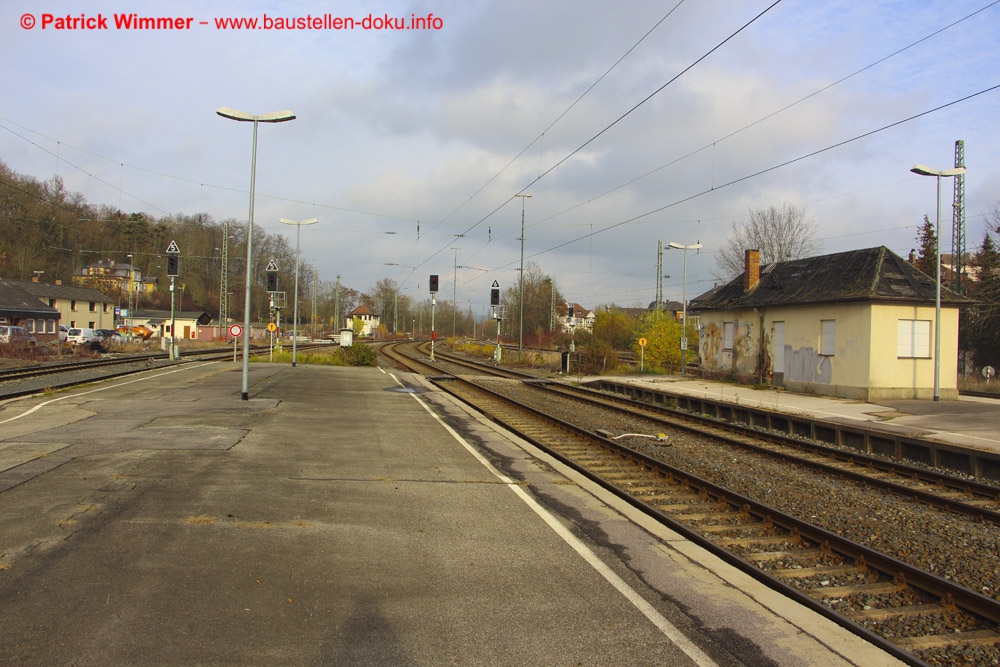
(344, 517)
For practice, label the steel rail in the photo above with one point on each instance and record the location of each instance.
(890, 568)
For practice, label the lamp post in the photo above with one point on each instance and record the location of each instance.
(295, 309)
(242, 116)
(520, 298)
(924, 170)
(684, 301)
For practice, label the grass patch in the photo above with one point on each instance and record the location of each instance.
(356, 355)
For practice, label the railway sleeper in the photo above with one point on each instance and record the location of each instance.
(828, 592)
(807, 555)
(815, 571)
(756, 542)
(712, 519)
(926, 642)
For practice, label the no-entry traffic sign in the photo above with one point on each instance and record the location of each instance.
(235, 330)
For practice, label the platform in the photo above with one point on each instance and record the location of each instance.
(350, 517)
(967, 422)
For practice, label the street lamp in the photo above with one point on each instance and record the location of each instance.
(242, 116)
(520, 333)
(295, 311)
(684, 301)
(924, 170)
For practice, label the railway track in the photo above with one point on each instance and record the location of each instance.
(919, 616)
(22, 381)
(968, 497)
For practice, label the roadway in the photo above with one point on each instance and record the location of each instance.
(344, 516)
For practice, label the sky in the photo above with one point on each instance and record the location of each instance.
(628, 124)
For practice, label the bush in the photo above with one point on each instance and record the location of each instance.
(598, 357)
(358, 355)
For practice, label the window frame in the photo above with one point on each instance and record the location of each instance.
(828, 338)
(911, 343)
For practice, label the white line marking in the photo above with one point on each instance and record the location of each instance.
(650, 612)
(93, 391)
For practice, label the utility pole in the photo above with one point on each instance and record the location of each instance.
(520, 335)
(336, 307)
(312, 319)
(958, 222)
(659, 275)
(224, 281)
(454, 297)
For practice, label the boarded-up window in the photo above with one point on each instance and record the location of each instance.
(828, 338)
(727, 335)
(779, 347)
(914, 339)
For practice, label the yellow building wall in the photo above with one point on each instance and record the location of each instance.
(846, 371)
(895, 377)
(865, 364)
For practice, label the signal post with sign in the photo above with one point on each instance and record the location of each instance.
(173, 270)
(433, 290)
(276, 304)
(495, 304)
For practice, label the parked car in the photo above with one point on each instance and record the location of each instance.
(16, 335)
(111, 337)
(63, 332)
(83, 336)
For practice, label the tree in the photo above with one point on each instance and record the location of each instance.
(662, 332)
(779, 234)
(928, 247)
(615, 327)
(540, 293)
(980, 324)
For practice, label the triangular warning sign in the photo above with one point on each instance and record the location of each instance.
(271, 266)
(495, 285)
(173, 247)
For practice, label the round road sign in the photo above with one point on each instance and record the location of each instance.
(272, 327)
(642, 342)
(235, 330)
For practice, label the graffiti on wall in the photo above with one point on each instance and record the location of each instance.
(711, 344)
(806, 365)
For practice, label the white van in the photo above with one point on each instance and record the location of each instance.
(82, 336)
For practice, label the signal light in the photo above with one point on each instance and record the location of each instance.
(434, 282)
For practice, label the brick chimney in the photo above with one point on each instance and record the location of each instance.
(751, 272)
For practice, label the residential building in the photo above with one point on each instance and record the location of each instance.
(581, 319)
(369, 321)
(190, 325)
(857, 324)
(77, 306)
(19, 307)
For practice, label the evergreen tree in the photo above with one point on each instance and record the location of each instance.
(980, 330)
(927, 253)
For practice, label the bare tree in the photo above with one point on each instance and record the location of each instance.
(780, 235)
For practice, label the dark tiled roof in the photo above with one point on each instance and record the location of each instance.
(872, 274)
(15, 299)
(46, 291)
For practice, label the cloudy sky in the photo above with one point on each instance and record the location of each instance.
(628, 123)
